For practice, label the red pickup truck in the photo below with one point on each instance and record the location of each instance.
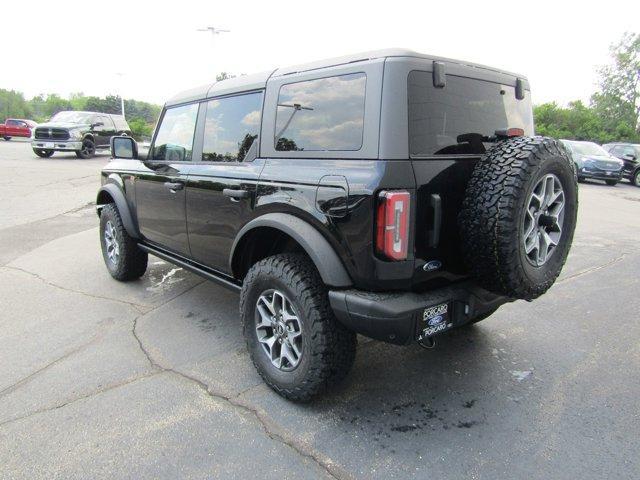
(16, 127)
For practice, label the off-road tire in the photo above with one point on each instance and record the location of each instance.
(329, 348)
(43, 153)
(611, 183)
(132, 262)
(491, 220)
(88, 149)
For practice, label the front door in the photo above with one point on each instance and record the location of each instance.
(221, 187)
(161, 184)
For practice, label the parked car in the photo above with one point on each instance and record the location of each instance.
(629, 153)
(81, 132)
(16, 127)
(391, 194)
(594, 162)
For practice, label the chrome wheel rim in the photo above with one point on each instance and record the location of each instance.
(279, 330)
(111, 243)
(542, 225)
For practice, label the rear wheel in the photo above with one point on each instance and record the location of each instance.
(293, 337)
(121, 254)
(88, 149)
(518, 216)
(636, 178)
(611, 183)
(7, 138)
(43, 153)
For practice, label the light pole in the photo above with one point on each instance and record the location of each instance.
(214, 31)
(121, 95)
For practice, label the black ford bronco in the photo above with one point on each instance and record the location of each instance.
(391, 194)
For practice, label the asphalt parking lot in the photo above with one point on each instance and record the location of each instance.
(151, 379)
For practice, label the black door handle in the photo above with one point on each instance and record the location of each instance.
(228, 192)
(174, 186)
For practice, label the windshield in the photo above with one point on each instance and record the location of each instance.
(587, 148)
(72, 117)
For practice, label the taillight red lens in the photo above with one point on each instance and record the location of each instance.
(392, 224)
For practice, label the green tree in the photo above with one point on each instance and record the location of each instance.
(618, 100)
(13, 105)
(224, 76)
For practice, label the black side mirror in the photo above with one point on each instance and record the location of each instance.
(628, 156)
(124, 147)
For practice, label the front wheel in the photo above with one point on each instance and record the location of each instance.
(43, 153)
(611, 183)
(636, 178)
(122, 256)
(88, 149)
(7, 138)
(293, 337)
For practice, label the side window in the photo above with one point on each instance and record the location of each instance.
(174, 141)
(231, 126)
(617, 150)
(628, 150)
(321, 114)
(12, 122)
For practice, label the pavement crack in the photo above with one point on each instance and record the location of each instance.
(139, 308)
(79, 398)
(30, 377)
(268, 426)
(594, 269)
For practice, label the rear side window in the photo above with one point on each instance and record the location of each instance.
(174, 141)
(231, 126)
(453, 119)
(323, 114)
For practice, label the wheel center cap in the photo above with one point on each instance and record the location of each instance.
(280, 328)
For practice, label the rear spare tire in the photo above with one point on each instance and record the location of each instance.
(518, 216)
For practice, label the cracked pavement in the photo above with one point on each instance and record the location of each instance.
(151, 378)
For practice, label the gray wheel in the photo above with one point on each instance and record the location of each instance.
(111, 243)
(295, 342)
(279, 330)
(543, 220)
(518, 216)
(43, 153)
(122, 257)
(88, 149)
(636, 178)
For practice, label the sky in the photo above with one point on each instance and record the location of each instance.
(151, 50)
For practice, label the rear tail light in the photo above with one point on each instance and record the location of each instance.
(392, 224)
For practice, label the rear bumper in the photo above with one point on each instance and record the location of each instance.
(57, 145)
(396, 317)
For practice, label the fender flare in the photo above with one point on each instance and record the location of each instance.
(322, 254)
(123, 207)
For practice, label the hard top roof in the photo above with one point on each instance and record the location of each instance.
(259, 80)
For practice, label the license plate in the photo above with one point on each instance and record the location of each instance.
(435, 320)
(49, 145)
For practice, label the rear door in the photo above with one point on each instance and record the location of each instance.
(222, 183)
(160, 185)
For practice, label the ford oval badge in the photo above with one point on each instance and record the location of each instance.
(432, 266)
(436, 320)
